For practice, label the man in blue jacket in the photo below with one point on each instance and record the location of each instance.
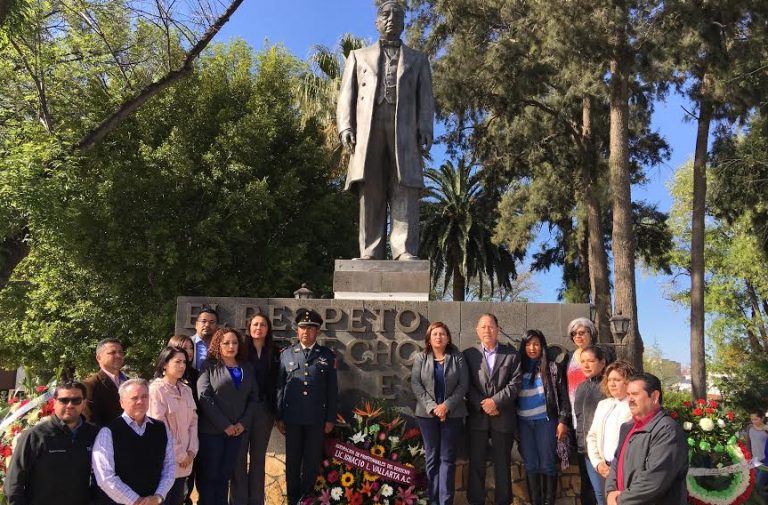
(307, 392)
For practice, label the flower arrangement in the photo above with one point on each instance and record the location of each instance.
(720, 472)
(375, 460)
(16, 416)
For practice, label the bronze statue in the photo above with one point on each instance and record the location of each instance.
(384, 115)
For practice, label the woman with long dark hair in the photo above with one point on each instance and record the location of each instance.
(543, 414)
(264, 356)
(171, 401)
(190, 373)
(227, 392)
(440, 379)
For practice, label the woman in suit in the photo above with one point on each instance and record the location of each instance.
(227, 392)
(439, 379)
(264, 356)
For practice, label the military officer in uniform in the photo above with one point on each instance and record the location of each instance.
(307, 392)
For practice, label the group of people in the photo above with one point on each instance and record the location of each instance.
(630, 451)
(206, 417)
(203, 421)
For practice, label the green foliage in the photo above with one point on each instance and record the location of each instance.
(456, 232)
(212, 188)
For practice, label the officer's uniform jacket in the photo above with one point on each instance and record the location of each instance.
(307, 388)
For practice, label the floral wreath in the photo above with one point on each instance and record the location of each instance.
(378, 440)
(720, 470)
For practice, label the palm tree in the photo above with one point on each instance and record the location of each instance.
(458, 219)
(319, 90)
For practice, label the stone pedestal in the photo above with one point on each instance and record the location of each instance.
(381, 280)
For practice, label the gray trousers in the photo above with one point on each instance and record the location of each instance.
(247, 485)
(381, 188)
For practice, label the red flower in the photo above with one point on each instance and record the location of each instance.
(353, 497)
(701, 401)
(12, 400)
(730, 415)
(411, 433)
(697, 412)
(687, 403)
(24, 402)
(40, 389)
(709, 410)
(333, 476)
(5, 450)
(673, 415)
(713, 404)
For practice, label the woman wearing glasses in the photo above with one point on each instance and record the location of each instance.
(171, 401)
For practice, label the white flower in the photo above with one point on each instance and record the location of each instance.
(394, 440)
(358, 418)
(413, 450)
(706, 424)
(387, 490)
(721, 423)
(358, 438)
(336, 493)
(687, 426)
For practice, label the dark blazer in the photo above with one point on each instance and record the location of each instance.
(103, 401)
(655, 463)
(221, 404)
(502, 385)
(307, 388)
(456, 384)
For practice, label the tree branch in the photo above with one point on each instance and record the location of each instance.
(108, 125)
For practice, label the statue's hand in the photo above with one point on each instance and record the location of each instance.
(425, 141)
(348, 140)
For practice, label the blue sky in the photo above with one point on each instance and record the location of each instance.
(300, 24)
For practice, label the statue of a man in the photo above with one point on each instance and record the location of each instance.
(385, 115)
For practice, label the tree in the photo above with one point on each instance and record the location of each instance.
(75, 70)
(215, 187)
(719, 44)
(457, 230)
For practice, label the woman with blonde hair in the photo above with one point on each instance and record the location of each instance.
(610, 414)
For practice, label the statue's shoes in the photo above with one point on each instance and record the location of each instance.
(407, 257)
(363, 258)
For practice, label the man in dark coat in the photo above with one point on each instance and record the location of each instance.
(307, 392)
(652, 457)
(494, 382)
(103, 403)
(52, 460)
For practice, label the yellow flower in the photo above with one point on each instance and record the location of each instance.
(369, 477)
(377, 450)
(410, 465)
(347, 479)
(319, 483)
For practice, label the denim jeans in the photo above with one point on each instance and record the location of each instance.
(597, 480)
(440, 443)
(218, 455)
(538, 445)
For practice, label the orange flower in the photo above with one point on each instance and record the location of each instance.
(392, 424)
(366, 489)
(353, 497)
(378, 450)
(368, 411)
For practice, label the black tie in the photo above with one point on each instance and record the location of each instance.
(306, 353)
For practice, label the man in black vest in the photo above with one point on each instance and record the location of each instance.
(133, 458)
(52, 460)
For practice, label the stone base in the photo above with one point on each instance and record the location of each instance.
(567, 490)
(381, 280)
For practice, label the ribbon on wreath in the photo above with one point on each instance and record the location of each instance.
(725, 470)
(360, 458)
(22, 411)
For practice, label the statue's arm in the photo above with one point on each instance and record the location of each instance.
(426, 105)
(345, 108)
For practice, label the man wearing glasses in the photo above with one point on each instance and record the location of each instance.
(52, 460)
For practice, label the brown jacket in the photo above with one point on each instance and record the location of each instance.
(103, 403)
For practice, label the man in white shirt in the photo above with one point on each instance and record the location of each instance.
(133, 459)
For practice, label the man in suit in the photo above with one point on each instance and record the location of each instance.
(103, 400)
(307, 393)
(494, 382)
(206, 324)
(384, 117)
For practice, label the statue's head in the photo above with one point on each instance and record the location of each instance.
(390, 19)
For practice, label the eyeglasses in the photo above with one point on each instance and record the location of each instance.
(581, 333)
(74, 400)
